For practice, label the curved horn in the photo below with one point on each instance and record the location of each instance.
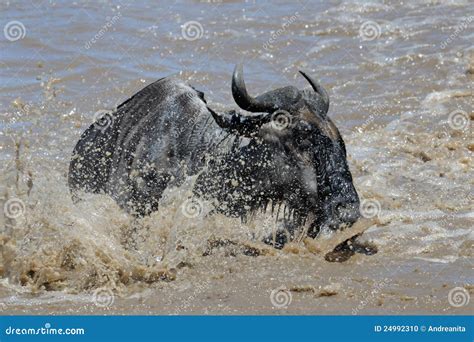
(319, 89)
(242, 98)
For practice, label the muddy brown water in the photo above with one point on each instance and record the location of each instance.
(400, 81)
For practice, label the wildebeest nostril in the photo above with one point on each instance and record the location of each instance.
(347, 212)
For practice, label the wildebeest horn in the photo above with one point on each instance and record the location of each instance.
(242, 98)
(319, 89)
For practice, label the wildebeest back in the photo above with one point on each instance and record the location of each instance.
(157, 136)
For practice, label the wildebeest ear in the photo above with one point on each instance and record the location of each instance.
(199, 93)
(319, 98)
(244, 125)
(314, 102)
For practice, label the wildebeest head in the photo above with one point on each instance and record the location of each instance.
(304, 157)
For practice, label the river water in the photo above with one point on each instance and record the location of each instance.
(399, 76)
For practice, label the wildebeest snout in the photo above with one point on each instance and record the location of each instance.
(346, 213)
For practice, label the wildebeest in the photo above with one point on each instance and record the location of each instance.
(282, 151)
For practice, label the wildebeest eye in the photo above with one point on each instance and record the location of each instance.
(302, 142)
